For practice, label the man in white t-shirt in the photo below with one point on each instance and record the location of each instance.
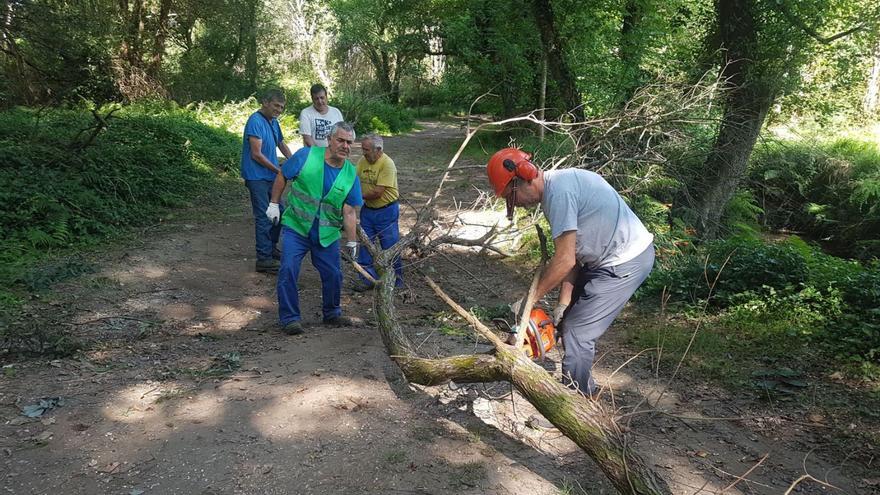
(603, 252)
(316, 120)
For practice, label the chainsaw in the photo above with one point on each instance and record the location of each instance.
(540, 334)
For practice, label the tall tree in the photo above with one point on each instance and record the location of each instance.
(764, 44)
(555, 48)
(392, 35)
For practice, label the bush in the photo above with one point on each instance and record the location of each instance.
(373, 115)
(827, 189)
(733, 266)
(63, 189)
(773, 291)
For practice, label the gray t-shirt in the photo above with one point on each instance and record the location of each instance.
(317, 125)
(608, 232)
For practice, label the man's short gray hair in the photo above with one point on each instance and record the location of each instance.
(273, 95)
(375, 139)
(345, 126)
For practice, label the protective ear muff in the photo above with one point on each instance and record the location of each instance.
(524, 170)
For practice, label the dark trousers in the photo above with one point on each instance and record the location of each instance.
(599, 296)
(265, 234)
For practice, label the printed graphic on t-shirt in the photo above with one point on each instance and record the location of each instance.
(322, 128)
(369, 176)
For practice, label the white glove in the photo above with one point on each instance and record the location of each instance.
(558, 312)
(273, 213)
(351, 250)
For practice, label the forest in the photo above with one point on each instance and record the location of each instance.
(745, 134)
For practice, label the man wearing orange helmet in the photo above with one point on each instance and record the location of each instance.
(603, 252)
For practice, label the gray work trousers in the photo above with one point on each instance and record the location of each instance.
(598, 297)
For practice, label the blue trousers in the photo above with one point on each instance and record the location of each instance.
(380, 225)
(599, 296)
(324, 259)
(265, 234)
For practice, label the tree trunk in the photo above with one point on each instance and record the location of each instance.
(135, 30)
(749, 97)
(161, 36)
(542, 97)
(872, 95)
(554, 48)
(583, 421)
(630, 51)
(726, 164)
(251, 68)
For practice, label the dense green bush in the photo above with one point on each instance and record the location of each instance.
(374, 115)
(772, 291)
(827, 189)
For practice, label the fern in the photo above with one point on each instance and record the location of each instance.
(867, 191)
(39, 238)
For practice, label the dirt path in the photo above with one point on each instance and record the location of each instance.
(188, 387)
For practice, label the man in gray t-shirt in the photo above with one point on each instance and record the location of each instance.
(603, 252)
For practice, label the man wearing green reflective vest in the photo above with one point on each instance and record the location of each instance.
(322, 203)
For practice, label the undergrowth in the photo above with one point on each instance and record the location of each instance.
(73, 182)
(783, 301)
(828, 189)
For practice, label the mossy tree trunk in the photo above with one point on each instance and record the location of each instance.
(582, 420)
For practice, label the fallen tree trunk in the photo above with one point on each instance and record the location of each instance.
(582, 420)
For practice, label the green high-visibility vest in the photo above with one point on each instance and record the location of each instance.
(307, 201)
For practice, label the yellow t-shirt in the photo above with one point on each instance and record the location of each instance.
(381, 173)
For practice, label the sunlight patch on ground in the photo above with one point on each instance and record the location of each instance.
(260, 302)
(315, 406)
(177, 311)
(139, 272)
(229, 317)
(145, 404)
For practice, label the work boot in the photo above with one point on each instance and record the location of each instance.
(293, 328)
(344, 321)
(267, 266)
(361, 286)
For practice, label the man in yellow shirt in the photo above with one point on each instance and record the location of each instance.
(381, 210)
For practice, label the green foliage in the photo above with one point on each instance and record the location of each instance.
(827, 189)
(781, 293)
(62, 191)
(374, 115)
(57, 51)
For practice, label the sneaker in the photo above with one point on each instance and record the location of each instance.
(361, 286)
(293, 328)
(270, 266)
(344, 321)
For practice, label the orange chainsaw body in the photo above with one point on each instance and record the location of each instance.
(540, 335)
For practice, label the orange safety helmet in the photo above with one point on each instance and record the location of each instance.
(508, 163)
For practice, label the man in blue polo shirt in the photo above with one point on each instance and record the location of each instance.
(259, 166)
(324, 195)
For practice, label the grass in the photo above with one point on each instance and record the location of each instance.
(726, 353)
